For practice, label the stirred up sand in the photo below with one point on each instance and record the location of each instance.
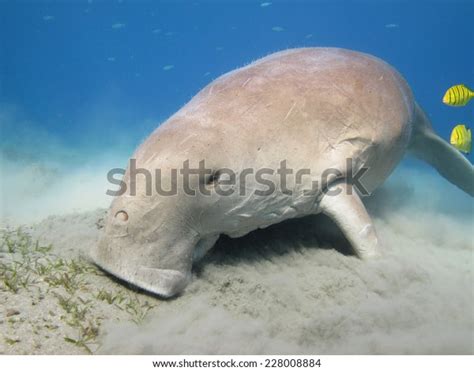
(291, 288)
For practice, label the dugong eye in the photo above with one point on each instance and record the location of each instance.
(122, 216)
(213, 178)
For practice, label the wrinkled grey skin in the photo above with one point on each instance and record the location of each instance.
(314, 108)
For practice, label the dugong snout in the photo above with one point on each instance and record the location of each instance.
(150, 250)
(162, 282)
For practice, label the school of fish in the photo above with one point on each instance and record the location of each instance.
(458, 96)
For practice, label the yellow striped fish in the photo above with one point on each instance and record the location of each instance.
(461, 138)
(458, 95)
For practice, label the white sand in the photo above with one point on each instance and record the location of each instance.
(285, 289)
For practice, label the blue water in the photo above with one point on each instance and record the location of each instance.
(83, 71)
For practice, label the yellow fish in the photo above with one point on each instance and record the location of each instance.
(458, 95)
(461, 138)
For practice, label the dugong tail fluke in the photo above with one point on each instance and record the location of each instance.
(428, 146)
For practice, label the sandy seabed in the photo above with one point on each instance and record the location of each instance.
(292, 288)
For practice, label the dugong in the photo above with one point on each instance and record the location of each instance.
(327, 114)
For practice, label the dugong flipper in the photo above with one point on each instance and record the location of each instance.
(350, 215)
(309, 109)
